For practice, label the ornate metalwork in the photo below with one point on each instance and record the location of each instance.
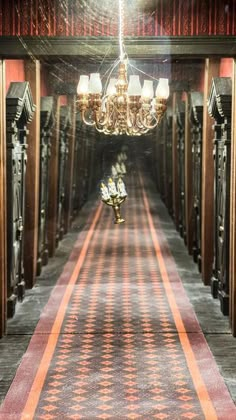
(19, 112)
(76, 188)
(181, 166)
(65, 123)
(196, 117)
(46, 124)
(169, 171)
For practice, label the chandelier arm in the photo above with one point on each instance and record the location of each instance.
(90, 123)
(106, 115)
(146, 125)
(139, 120)
(100, 130)
(129, 120)
(100, 120)
(150, 126)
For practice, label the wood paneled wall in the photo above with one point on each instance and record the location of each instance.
(142, 18)
(45, 211)
(207, 225)
(233, 210)
(32, 74)
(3, 254)
(206, 153)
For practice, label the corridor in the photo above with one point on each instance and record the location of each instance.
(118, 337)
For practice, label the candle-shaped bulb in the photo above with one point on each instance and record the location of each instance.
(112, 188)
(123, 168)
(104, 192)
(118, 169)
(121, 188)
(113, 171)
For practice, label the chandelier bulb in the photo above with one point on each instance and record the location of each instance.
(134, 87)
(163, 89)
(147, 90)
(95, 84)
(83, 84)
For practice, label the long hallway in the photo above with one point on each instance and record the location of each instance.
(118, 338)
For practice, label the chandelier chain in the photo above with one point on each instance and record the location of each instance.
(121, 29)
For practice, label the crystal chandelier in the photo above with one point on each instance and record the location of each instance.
(122, 107)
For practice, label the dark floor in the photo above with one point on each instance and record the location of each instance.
(214, 325)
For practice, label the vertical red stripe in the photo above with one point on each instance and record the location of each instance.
(67, 18)
(1, 20)
(36, 18)
(192, 17)
(72, 19)
(13, 19)
(49, 12)
(138, 23)
(209, 29)
(234, 17)
(180, 17)
(197, 17)
(143, 24)
(90, 25)
(31, 17)
(156, 21)
(215, 18)
(19, 17)
(227, 23)
(161, 19)
(174, 18)
(54, 19)
(102, 25)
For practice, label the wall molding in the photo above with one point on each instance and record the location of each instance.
(145, 47)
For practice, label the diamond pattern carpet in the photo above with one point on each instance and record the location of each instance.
(118, 338)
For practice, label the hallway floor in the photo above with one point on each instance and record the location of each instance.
(118, 338)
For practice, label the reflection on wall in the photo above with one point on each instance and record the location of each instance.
(15, 72)
(96, 18)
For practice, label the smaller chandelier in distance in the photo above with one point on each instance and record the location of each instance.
(124, 108)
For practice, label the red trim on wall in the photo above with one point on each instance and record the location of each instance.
(15, 72)
(63, 100)
(226, 67)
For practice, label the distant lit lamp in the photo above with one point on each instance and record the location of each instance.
(114, 195)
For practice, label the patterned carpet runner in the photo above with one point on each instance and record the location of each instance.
(118, 338)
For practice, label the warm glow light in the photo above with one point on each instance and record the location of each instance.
(83, 85)
(163, 89)
(95, 84)
(147, 90)
(134, 87)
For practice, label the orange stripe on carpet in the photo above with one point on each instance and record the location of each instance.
(34, 394)
(204, 398)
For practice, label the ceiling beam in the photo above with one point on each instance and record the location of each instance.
(141, 47)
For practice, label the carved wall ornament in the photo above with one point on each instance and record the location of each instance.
(219, 107)
(19, 112)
